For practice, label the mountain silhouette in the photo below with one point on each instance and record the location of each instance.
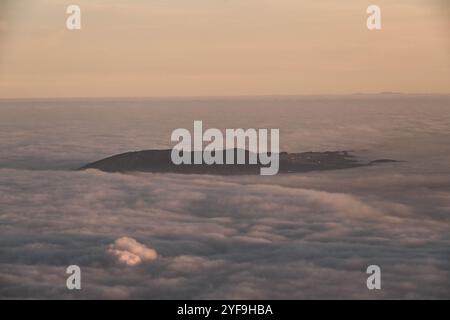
(160, 161)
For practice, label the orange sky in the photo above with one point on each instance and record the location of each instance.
(222, 47)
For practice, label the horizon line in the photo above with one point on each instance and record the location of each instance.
(386, 93)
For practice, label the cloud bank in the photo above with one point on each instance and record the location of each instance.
(159, 236)
(308, 236)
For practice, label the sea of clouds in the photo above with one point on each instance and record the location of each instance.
(161, 236)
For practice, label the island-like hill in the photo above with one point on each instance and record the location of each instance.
(159, 161)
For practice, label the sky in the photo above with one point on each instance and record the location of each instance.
(222, 48)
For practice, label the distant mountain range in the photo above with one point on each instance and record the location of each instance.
(159, 161)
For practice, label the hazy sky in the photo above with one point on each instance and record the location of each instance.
(222, 47)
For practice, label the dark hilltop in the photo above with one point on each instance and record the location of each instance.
(159, 161)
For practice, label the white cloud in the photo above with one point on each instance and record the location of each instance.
(130, 252)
